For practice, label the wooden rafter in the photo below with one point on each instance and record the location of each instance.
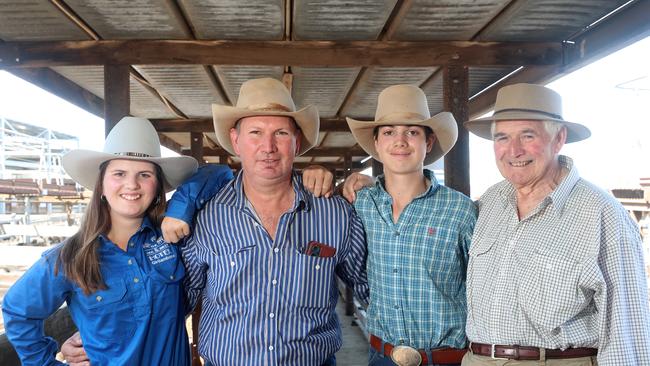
(296, 53)
(205, 125)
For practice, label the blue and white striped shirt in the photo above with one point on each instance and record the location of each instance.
(416, 266)
(265, 302)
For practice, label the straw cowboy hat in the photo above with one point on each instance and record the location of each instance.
(406, 105)
(527, 102)
(131, 139)
(265, 97)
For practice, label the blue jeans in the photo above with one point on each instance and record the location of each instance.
(377, 359)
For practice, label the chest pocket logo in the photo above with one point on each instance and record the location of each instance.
(158, 251)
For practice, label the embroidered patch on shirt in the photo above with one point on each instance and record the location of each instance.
(158, 251)
(431, 231)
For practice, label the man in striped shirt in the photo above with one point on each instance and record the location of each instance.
(418, 234)
(264, 252)
(555, 274)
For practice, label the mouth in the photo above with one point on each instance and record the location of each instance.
(130, 197)
(520, 163)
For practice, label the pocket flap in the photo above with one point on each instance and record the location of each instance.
(114, 292)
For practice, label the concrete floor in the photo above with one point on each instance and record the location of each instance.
(354, 351)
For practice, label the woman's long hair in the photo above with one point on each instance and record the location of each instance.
(79, 256)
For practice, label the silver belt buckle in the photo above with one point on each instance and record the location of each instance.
(406, 356)
(492, 354)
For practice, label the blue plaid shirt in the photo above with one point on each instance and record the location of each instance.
(416, 267)
(265, 302)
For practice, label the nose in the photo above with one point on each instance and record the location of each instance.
(268, 143)
(516, 148)
(400, 139)
(131, 182)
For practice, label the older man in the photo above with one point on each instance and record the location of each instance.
(555, 274)
(264, 252)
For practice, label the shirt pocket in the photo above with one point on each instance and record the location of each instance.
(547, 290)
(313, 278)
(109, 313)
(229, 277)
(480, 272)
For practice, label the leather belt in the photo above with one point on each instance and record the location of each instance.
(444, 356)
(528, 353)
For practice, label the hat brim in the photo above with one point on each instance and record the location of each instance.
(225, 118)
(442, 124)
(482, 127)
(83, 167)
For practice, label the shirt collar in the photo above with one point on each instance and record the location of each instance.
(145, 226)
(557, 199)
(302, 200)
(432, 184)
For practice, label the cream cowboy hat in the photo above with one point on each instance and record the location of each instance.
(131, 139)
(406, 105)
(265, 97)
(527, 102)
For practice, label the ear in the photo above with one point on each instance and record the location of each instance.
(430, 141)
(559, 140)
(234, 136)
(298, 142)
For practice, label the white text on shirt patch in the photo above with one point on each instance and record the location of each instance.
(158, 251)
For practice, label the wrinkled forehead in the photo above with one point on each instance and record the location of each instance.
(270, 121)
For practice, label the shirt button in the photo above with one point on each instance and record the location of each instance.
(130, 262)
(396, 307)
(99, 298)
(276, 250)
(271, 315)
(396, 233)
(171, 277)
(317, 267)
(270, 348)
(401, 341)
(274, 282)
(131, 244)
(232, 264)
(136, 280)
(395, 270)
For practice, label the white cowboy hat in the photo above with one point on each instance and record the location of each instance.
(406, 105)
(131, 139)
(527, 102)
(265, 97)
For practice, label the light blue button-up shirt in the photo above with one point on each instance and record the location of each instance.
(138, 320)
(416, 266)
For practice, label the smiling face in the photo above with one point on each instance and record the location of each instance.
(402, 149)
(266, 145)
(129, 187)
(525, 153)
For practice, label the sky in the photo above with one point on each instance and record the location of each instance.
(610, 96)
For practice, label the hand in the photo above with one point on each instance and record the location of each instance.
(355, 182)
(73, 352)
(174, 230)
(318, 180)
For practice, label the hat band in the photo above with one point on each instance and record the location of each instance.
(269, 107)
(134, 154)
(552, 115)
(401, 117)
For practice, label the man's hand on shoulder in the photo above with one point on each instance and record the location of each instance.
(174, 230)
(73, 351)
(318, 180)
(355, 182)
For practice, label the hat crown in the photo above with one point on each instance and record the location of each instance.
(529, 97)
(133, 136)
(402, 103)
(265, 94)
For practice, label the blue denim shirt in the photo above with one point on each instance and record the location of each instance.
(139, 319)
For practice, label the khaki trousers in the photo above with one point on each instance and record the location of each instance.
(471, 359)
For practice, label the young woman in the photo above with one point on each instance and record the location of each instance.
(120, 280)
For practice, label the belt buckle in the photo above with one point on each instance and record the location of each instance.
(406, 356)
(492, 349)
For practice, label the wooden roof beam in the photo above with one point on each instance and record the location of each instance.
(205, 125)
(295, 53)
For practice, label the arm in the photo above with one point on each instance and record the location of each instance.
(31, 300)
(195, 274)
(352, 270)
(625, 312)
(354, 183)
(190, 197)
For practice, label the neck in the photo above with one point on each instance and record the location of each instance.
(529, 196)
(122, 230)
(267, 191)
(405, 187)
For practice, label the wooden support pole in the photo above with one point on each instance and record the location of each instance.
(196, 146)
(117, 95)
(456, 93)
